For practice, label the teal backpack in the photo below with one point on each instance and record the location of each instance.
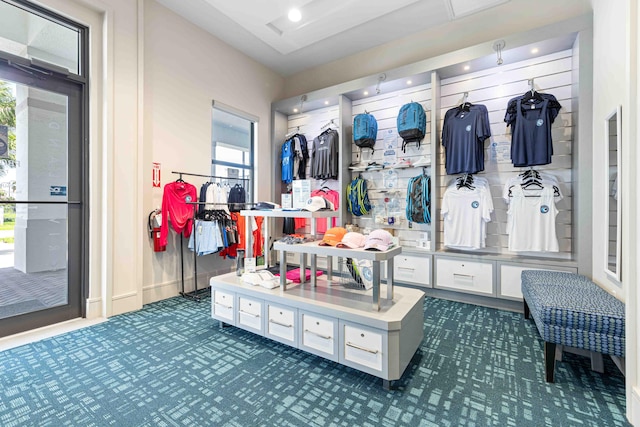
(357, 197)
(418, 199)
(365, 130)
(412, 124)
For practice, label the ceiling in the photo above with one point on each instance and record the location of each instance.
(328, 30)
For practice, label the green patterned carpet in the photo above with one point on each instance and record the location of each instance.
(171, 365)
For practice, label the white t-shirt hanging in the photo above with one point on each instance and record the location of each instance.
(531, 221)
(465, 213)
(545, 179)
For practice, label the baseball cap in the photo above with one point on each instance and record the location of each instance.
(333, 236)
(317, 203)
(379, 240)
(352, 240)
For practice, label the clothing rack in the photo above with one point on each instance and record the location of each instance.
(208, 176)
(194, 294)
(326, 125)
(290, 134)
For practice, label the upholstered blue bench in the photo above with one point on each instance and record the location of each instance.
(570, 310)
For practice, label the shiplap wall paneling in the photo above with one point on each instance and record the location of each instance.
(311, 124)
(494, 88)
(385, 108)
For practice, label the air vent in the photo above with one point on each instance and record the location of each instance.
(460, 8)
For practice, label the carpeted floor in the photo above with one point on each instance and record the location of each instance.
(171, 365)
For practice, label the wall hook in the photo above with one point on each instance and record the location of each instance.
(497, 47)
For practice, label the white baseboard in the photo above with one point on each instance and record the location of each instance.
(160, 291)
(125, 303)
(94, 308)
(634, 412)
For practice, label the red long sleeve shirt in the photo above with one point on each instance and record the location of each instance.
(175, 206)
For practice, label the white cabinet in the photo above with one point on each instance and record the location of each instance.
(362, 347)
(222, 307)
(319, 335)
(412, 269)
(465, 275)
(327, 321)
(250, 315)
(509, 282)
(281, 324)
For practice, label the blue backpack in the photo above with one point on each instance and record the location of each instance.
(365, 130)
(412, 123)
(419, 200)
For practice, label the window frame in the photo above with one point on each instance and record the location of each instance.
(250, 167)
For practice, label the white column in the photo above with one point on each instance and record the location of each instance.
(41, 174)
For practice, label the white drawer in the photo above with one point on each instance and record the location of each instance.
(362, 346)
(510, 278)
(281, 324)
(412, 269)
(465, 276)
(319, 335)
(250, 314)
(222, 306)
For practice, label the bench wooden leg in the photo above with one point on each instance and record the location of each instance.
(596, 362)
(526, 309)
(549, 360)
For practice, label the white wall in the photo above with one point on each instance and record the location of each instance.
(186, 68)
(153, 79)
(615, 84)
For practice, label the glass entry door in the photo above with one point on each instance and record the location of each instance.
(41, 200)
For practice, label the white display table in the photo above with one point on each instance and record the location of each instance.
(327, 320)
(314, 249)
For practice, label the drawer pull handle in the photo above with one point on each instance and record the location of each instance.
(468, 276)
(361, 348)
(280, 324)
(249, 314)
(325, 337)
(229, 307)
(406, 268)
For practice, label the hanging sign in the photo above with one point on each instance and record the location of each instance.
(155, 179)
(301, 193)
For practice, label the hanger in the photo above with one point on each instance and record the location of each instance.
(531, 94)
(180, 179)
(292, 133)
(465, 180)
(465, 106)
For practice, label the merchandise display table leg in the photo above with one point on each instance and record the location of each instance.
(390, 279)
(314, 269)
(283, 270)
(303, 268)
(376, 285)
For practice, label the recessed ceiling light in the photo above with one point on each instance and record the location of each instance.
(467, 67)
(295, 110)
(534, 50)
(326, 102)
(294, 15)
(366, 92)
(409, 82)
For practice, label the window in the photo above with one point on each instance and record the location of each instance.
(31, 32)
(232, 142)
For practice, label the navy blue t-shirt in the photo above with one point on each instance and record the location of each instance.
(530, 121)
(463, 136)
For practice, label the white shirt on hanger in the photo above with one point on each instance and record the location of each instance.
(465, 213)
(531, 221)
